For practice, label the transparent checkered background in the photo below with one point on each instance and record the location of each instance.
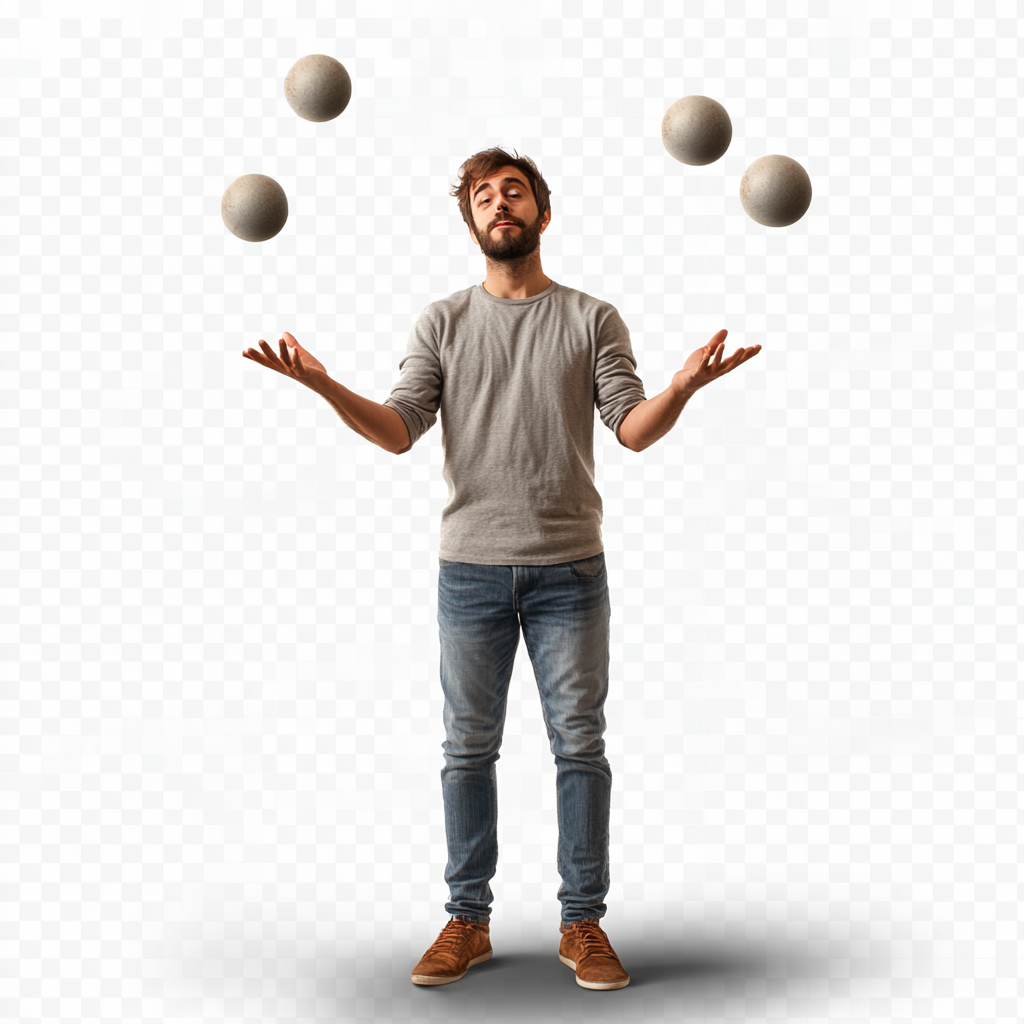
(221, 708)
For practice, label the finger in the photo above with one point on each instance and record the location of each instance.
(290, 338)
(741, 356)
(274, 361)
(285, 357)
(733, 361)
(257, 357)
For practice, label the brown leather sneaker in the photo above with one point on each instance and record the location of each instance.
(586, 949)
(461, 944)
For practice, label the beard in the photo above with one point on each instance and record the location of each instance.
(507, 246)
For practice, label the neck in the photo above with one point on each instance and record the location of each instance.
(516, 279)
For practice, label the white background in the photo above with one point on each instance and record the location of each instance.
(221, 711)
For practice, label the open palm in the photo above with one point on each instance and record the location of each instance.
(294, 361)
(706, 365)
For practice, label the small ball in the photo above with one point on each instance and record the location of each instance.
(696, 130)
(775, 191)
(254, 207)
(318, 87)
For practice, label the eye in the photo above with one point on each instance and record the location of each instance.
(514, 193)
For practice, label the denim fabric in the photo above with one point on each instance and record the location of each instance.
(564, 613)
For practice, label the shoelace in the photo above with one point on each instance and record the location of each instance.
(594, 940)
(452, 935)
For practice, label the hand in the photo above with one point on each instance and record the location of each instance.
(294, 362)
(705, 365)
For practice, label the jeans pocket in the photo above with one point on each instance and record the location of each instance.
(588, 568)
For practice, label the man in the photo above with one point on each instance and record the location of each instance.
(515, 366)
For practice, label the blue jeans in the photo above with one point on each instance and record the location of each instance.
(564, 613)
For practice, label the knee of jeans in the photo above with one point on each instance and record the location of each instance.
(460, 753)
(597, 764)
(579, 749)
(583, 740)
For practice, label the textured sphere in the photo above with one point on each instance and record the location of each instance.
(696, 130)
(317, 87)
(254, 207)
(775, 191)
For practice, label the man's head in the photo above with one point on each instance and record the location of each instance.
(505, 202)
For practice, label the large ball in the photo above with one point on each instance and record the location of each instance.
(696, 130)
(254, 207)
(775, 191)
(318, 87)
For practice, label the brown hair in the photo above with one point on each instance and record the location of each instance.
(486, 162)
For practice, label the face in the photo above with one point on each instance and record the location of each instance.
(505, 214)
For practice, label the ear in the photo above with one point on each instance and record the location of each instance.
(546, 221)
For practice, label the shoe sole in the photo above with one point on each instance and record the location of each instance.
(592, 984)
(426, 979)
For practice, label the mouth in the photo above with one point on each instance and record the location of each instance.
(506, 224)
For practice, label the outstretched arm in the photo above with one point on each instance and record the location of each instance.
(376, 422)
(652, 420)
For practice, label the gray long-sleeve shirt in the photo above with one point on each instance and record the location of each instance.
(516, 382)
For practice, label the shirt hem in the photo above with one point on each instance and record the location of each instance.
(513, 559)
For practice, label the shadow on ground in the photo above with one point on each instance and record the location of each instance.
(669, 976)
(260, 976)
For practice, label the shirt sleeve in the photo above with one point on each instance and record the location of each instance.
(417, 395)
(617, 388)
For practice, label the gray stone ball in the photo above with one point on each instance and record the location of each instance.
(775, 191)
(318, 87)
(696, 130)
(254, 207)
